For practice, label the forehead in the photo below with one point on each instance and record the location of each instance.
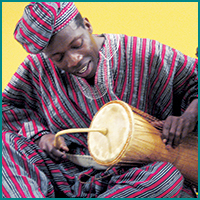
(63, 37)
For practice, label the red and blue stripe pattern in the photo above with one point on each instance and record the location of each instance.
(41, 99)
(28, 173)
(40, 20)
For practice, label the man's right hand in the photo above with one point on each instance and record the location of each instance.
(46, 143)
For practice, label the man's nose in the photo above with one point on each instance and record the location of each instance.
(73, 59)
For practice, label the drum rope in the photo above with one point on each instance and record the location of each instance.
(148, 117)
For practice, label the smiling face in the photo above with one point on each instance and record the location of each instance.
(75, 50)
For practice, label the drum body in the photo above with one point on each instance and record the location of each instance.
(131, 139)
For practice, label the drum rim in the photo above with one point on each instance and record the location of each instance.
(131, 125)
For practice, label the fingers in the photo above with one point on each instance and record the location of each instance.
(172, 132)
(56, 154)
(177, 136)
(59, 153)
(47, 145)
(63, 145)
(177, 128)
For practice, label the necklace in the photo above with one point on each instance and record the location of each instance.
(103, 74)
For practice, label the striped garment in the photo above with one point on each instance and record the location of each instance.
(41, 99)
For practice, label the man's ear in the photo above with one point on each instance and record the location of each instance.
(87, 24)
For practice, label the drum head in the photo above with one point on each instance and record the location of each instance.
(117, 117)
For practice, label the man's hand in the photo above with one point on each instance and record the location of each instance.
(46, 143)
(177, 128)
(174, 129)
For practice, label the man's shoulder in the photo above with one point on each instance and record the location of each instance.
(38, 62)
(35, 58)
(124, 37)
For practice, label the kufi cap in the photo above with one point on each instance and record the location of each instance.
(40, 21)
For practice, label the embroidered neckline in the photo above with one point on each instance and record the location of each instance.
(103, 76)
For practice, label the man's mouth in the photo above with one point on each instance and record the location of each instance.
(83, 69)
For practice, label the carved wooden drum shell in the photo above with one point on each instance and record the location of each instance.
(131, 139)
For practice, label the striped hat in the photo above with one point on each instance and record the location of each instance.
(40, 21)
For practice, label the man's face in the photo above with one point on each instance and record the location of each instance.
(75, 50)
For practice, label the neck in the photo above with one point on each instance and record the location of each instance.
(100, 41)
(90, 81)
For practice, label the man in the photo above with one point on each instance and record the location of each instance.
(69, 75)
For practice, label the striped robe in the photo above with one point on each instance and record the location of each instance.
(42, 99)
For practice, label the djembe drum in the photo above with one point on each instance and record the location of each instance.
(118, 135)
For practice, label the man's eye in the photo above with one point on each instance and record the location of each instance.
(77, 44)
(58, 58)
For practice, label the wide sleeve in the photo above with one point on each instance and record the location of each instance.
(186, 79)
(22, 110)
(178, 77)
(154, 77)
